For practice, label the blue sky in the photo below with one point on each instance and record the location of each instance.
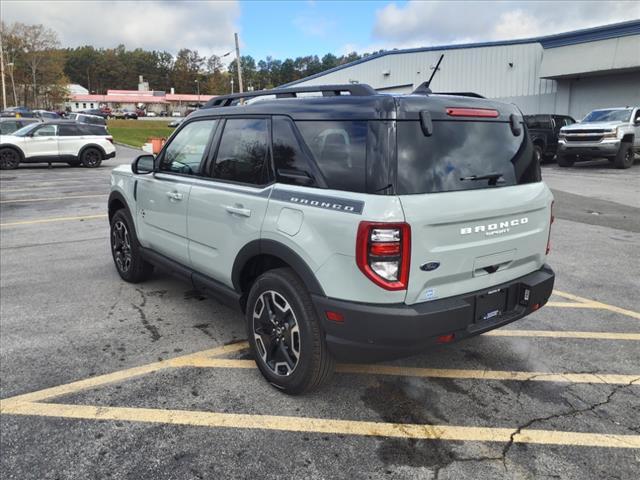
(295, 28)
(305, 28)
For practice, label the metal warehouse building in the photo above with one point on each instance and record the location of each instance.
(568, 73)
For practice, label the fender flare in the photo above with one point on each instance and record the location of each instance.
(278, 250)
(92, 145)
(14, 147)
(113, 196)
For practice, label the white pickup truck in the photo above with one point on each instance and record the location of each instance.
(613, 133)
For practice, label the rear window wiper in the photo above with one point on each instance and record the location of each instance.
(492, 177)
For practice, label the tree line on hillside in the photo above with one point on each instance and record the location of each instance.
(39, 69)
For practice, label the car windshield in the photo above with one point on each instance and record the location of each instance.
(24, 131)
(608, 116)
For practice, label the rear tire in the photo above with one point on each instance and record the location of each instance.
(284, 333)
(125, 249)
(566, 160)
(624, 157)
(91, 158)
(9, 159)
(537, 153)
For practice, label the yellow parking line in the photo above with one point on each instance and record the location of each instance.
(558, 334)
(121, 375)
(321, 425)
(377, 369)
(53, 219)
(49, 199)
(596, 304)
(572, 305)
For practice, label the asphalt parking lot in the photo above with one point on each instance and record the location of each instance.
(103, 379)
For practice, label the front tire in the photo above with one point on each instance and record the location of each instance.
(9, 159)
(91, 158)
(125, 249)
(566, 160)
(284, 333)
(624, 157)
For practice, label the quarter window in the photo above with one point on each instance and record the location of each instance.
(184, 153)
(339, 149)
(243, 152)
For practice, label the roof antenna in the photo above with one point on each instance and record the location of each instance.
(423, 88)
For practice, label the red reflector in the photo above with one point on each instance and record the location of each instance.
(334, 316)
(446, 338)
(472, 112)
(385, 249)
(535, 307)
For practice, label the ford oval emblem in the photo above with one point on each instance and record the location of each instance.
(429, 266)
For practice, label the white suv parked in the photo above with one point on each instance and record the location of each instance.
(60, 141)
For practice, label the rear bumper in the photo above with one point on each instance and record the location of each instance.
(374, 332)
(110, 155)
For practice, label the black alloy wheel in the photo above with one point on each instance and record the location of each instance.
(277, 333)
(91, 158)
(121, 245)
(9, 159)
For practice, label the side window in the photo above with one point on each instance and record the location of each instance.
(568, 121)
(637, 117)
(339, 149)
(45, 131)
(291, 163)
(68, 131)
(243, 151)
(184, 153)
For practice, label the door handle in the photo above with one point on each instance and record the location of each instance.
(238, 210)
(174, 196)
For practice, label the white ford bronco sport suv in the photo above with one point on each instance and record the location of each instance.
(345, 224)
(613, 133)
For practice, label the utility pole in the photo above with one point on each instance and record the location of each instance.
(4, 88)
(240, 90)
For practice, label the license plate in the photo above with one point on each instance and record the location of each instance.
(491, 305)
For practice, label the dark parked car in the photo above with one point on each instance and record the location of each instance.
(544, 130)
(125, 114)
(95, 111)
(10, 125)
(17, 112)
(46, 115)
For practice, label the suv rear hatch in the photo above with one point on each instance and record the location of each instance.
(472, 194)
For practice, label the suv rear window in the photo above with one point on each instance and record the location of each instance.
(459, 150)
(339, 148)
(538, 121)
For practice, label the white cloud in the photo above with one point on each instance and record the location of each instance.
(159, 25)
(313, 25)
(442, 22)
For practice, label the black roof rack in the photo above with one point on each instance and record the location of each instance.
(359, 89)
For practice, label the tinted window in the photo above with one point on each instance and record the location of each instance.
(68, 131)
(243, 152)
(92, 130)
(456, 151)
(8, 127)
(538, 121)
(292, 165)
(187, 147)
(339, 149)
(45, 131)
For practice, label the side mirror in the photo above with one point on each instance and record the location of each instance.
(143, 164)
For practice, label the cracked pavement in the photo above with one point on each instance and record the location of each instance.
(66, 316)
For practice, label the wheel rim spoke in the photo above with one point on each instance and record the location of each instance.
(276, 333)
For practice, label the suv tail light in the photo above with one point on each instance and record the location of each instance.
(551, 220)
(383, 253)
(472, 112)
(110, 138)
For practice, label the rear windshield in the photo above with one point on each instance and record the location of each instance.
(458, 153)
